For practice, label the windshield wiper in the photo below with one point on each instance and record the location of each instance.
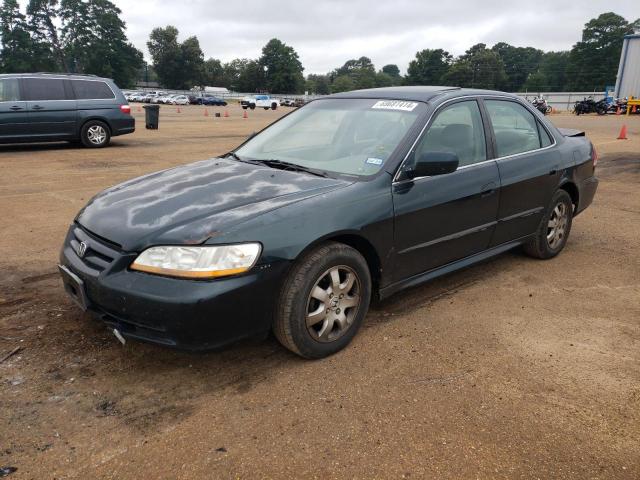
(235, 156)
(292, 166)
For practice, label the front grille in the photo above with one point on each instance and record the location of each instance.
(98, 254)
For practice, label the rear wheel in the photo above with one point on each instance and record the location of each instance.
(554, 228)
(323, 301)
(95, 134)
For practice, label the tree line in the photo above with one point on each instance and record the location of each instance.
(88, 36)
(77, 36)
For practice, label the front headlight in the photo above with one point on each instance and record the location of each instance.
(198, 261)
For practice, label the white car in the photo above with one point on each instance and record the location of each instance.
(180, 100)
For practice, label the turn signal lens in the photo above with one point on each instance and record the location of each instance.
(198, 261)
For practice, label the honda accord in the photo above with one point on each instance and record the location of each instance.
(350, 198)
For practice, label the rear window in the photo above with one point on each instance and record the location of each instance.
(9, 91)
(44, 89)
(91, 90)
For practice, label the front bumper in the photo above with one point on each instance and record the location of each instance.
(186, 314)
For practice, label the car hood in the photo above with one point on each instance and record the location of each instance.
(192, 203)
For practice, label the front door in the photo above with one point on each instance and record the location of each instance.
(13, 111)
(444, 218)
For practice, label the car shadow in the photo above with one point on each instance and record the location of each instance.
(49, 146)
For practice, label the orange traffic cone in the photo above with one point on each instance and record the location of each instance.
(206, 112)
(226, 113)
(244, 115)
(178, 110)
(633, 110)
(139, 109)
(623, 133)
(618, 110)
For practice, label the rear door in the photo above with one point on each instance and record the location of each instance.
(13, 110)
(528, 165)
(445, 218)
(51, 107)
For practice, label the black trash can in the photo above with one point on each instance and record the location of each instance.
(152, 116)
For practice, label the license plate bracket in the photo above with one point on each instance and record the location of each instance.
(74, 286)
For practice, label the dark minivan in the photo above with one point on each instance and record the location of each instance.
(43, 107)
(350, 198)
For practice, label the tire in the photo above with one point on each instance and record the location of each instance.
(550, 240)
(266, 108)
(308, 289)
(274, 106)
(244, 107)
(95, 134)
(252, 107)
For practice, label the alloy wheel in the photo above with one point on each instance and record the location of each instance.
(96, 134)
(557, 226)
(333, 303)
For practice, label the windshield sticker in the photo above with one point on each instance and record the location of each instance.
(374, 161)
(395, 105)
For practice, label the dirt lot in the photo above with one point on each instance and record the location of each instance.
(515, 368)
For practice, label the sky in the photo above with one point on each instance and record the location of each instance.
(326, 33)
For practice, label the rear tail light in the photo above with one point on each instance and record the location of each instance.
(594, 155)
(125, 109)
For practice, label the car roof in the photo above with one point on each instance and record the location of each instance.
(72, 76)
(418, 93)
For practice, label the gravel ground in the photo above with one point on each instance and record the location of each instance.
(515, 368)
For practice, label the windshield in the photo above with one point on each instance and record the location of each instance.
(347, 136)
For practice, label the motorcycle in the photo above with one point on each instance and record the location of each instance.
(589, 105)
(542, 105)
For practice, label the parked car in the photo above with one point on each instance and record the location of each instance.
(180, 100)
(211, 100)
(39, 107)
(259, 101)
(297, 233)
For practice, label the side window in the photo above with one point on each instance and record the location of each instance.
(91, 90)
(44, 89)
(515, 128)
(9, 90)
(545, 138)
(457, 129)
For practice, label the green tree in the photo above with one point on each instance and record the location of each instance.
(213, 73)
(361, 71)
(385, 80)
(318, 84)
(342, 83)
(48, 52)
(244, 75)
(519, 63)
(479, 67)
(551, 75)
(16, 42)
(282, 68)
(178, 65)
(429, 67)
(191, 63)
(593, 61)
(392, 70)
(94, 41)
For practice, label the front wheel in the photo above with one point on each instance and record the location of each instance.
(554, 228)
(95, 134)
(323, 301)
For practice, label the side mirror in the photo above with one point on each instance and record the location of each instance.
(429, 164)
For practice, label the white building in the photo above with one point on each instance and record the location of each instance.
(628, 79)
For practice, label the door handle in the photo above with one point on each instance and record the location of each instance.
(15, 108)
(488, 189)
(37, 107)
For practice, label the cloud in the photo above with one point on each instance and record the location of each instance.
(326, 33)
